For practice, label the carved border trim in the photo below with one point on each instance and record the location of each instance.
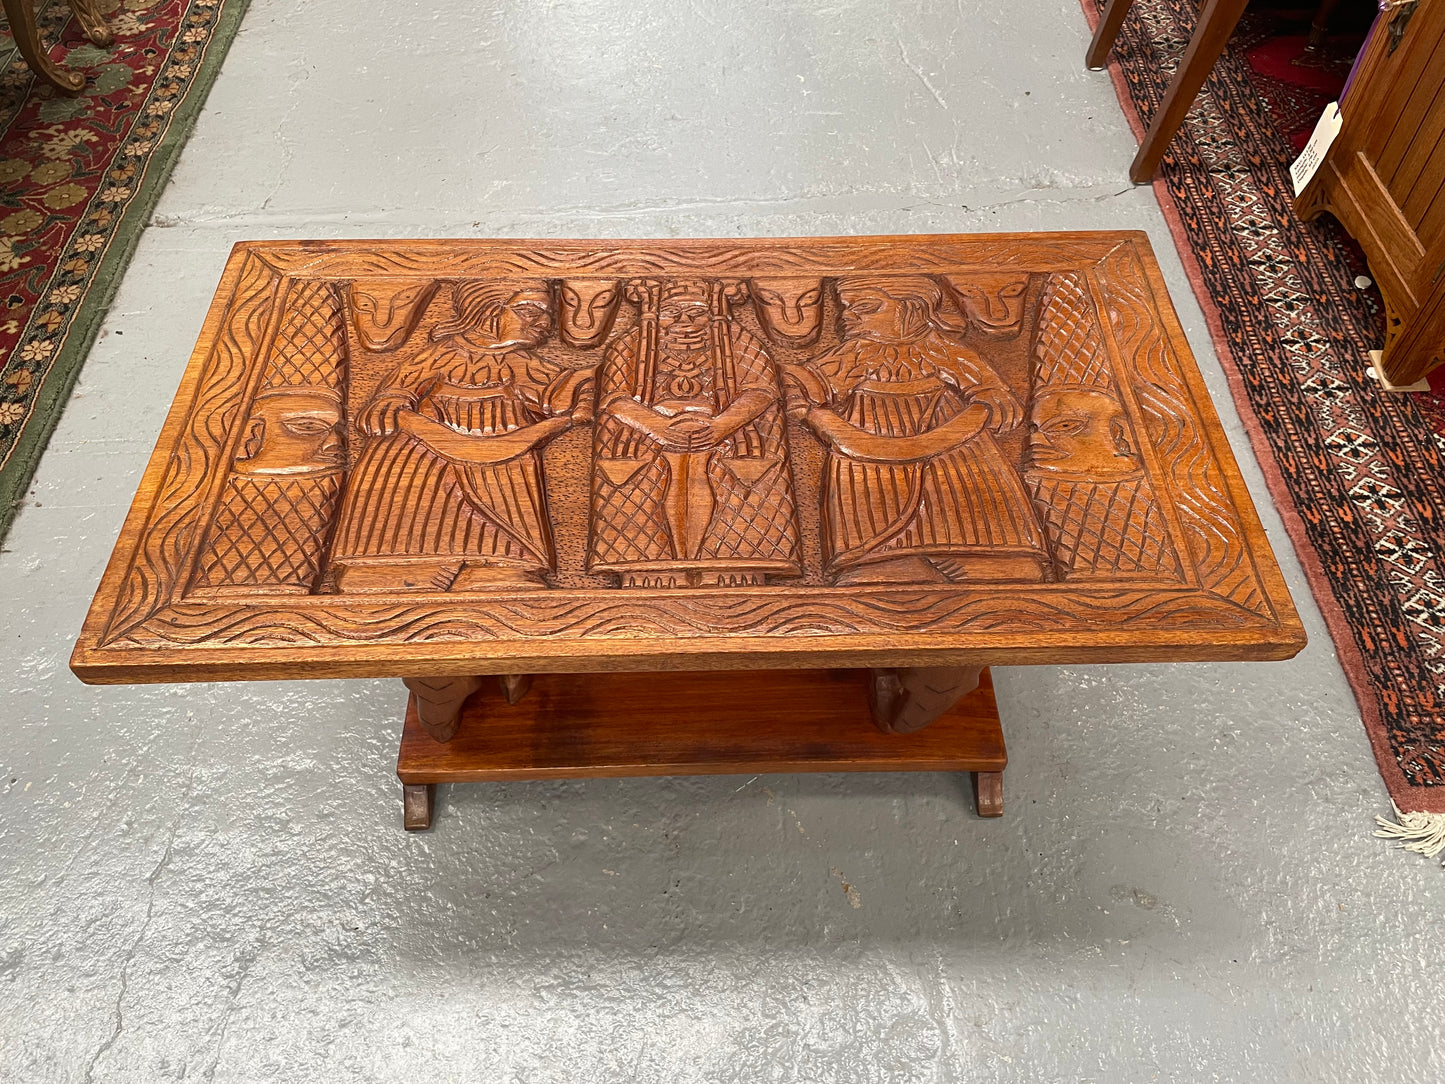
(1199, 492)
(170, 534)
(563, 619)
(452, 259)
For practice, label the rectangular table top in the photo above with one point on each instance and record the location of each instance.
(411, 458)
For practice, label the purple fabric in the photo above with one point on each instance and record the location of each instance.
(1356, 65)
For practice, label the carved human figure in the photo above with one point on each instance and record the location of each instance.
(447, 494)
(790, 309)
(1083, 465)
(691, 483)
(385, 311)
(916, 488)
(275, 512)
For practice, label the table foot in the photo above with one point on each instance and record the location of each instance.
(905, 699)
(1104, 34)
(417, 800)
(988, 793)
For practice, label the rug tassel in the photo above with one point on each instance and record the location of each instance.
(1423, 833)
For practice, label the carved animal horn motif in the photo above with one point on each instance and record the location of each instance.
(588, 308)
(790, 309)
(993, 301)
(386, 311)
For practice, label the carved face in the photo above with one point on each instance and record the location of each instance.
(293, 432)
(525, 320)
(1080, 432)
(683, 324)
(385, 311)
(872, 314)
(993, 302)
(791, 309)
(588, 307)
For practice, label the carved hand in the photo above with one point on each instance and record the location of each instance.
(381, 417)
(657, 427)
(703, 433)
(480, 450)
(801, 389)
(857, 443)
(571, 394)
(1004, 409)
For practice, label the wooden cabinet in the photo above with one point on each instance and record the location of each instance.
(1384, 179)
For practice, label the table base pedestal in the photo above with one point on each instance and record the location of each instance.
(699, 723)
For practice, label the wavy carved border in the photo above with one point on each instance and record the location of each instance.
(590, 616)
(198, 462)
(480, 259)
(1220, 551)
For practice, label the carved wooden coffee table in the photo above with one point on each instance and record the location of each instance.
(688, 506)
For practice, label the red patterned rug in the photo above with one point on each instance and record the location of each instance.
(1356, 473)
(78, 180)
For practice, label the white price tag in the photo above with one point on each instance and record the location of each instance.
(1314, 153)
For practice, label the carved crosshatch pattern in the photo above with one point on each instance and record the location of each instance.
(1087, 478)
(682, 447)
(271, 528)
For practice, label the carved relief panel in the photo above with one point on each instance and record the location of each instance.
(454, 440)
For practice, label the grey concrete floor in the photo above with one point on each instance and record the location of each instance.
(210, 882)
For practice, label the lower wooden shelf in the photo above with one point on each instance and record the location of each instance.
(571, 726)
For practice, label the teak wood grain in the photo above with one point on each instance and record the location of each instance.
(597, 725)
(591, 725)
(431, 459)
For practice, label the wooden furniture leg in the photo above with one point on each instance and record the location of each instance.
(417, 800)
(87, 14)
(1105, 33)
(1216, 22)
(1420, 345)
(439, 702)
(909, 698)
(1321, 25)
(515, 686)
(21, 14)
(988, 793)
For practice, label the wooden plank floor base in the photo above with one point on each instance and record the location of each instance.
(594, 725)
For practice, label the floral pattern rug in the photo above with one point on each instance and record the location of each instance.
(78, 180)
(1356, 472)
